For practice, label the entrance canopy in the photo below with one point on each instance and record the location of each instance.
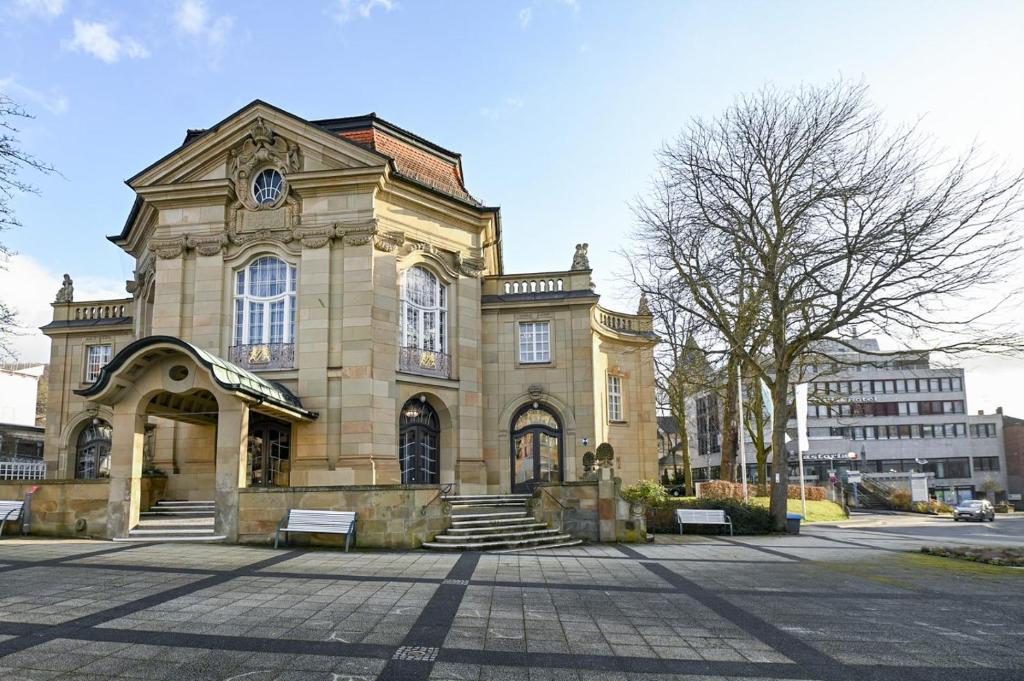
(120, 374)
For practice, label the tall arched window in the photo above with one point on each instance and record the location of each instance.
(424, 323)
(92, 451)
(265, 302)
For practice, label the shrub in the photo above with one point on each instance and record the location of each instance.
(605, 453)
(720, 489)
(933, 506)
(746, 518)
(899, 500)
(650, 493)
(588, 461)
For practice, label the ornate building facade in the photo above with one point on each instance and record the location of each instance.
(321, 304)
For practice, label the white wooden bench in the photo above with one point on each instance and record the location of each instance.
(9, 511)
(694, 516)
(318, 522)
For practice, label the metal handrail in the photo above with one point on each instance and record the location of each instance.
(444, 491)
(561, 513)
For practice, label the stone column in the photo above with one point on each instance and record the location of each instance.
(232, 436)
(309, 456)
(129, 429)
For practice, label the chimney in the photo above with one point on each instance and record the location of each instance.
(999, 410)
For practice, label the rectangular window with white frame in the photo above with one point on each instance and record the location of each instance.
(615, 398)
(96, 357)
(534, 342)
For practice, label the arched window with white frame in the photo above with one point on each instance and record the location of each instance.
(264, 310)
(424, 323)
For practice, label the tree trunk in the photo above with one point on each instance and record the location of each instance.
(780, 463)
(729, 410)
(679, 413)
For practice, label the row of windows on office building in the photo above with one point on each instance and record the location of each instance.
(889, 386)
(928, 408)
(952, 467)
(902, 431)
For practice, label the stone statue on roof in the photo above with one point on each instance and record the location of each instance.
(580, 260)
(644, 308)
(66, 293)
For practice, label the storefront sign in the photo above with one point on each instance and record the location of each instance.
(828, 456)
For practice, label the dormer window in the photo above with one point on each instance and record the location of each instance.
(267, 187)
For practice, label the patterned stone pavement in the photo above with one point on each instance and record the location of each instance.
(832, 604)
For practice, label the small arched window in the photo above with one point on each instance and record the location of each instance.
(92, 451)
(424, 311)
(265, 302)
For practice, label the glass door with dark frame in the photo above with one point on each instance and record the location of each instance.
(419, 437)
(536, 449)
(269, 453)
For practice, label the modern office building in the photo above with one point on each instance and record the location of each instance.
(901, 414)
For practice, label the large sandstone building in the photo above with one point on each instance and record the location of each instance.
(323, 303)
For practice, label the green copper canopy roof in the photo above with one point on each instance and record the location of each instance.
(231, 377)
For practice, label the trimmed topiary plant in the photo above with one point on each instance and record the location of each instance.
(588, 461)
(605, 454)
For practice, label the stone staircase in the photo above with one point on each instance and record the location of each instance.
(191, 521)
(496, 522)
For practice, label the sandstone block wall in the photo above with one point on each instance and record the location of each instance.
(390, 516)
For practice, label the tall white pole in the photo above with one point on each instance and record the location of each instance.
(743, 448)
(802, 444)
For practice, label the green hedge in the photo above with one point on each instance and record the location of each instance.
(746, 518)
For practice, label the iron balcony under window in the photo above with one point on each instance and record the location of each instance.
(424, 362)
(263, 356)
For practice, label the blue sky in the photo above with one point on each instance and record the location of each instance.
(557, 106)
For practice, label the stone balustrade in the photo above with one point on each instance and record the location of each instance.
(93, 309)
(539, 282)
(624, 323)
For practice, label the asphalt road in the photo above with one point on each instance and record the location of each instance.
(1007, 529)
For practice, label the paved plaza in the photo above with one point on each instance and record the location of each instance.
(852, 602)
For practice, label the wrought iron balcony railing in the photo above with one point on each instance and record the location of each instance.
(424, 362)
(263, 356)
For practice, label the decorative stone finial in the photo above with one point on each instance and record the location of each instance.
(580, 260)
(66, 293)
(643, 308)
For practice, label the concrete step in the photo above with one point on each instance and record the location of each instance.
(205, 538)
(524, 526)
(469, 519)
(494, 522)
(574, 542)
(465, 499)
(153, 513)
(534, 542)
(175, 521)
(170, 531)
(512, 534)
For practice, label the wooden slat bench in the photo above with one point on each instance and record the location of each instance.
(318, 522)
(694, 516)
(9, 511)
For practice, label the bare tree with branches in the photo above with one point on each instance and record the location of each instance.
(795, 215)
(13, 160)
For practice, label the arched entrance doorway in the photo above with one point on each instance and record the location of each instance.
(419, 436)
(269, 449)
(536, 447)
(92, 451)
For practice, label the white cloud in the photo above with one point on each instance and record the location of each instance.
(347, 10)
(503, 109)
(28, 288)
(525, 14)
(42, 8)
(193, 18)
(97, 39)
(53, 101)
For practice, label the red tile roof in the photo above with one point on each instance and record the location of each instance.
(414, 158)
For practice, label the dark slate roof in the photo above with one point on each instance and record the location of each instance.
(85, 323)
(231, 377)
